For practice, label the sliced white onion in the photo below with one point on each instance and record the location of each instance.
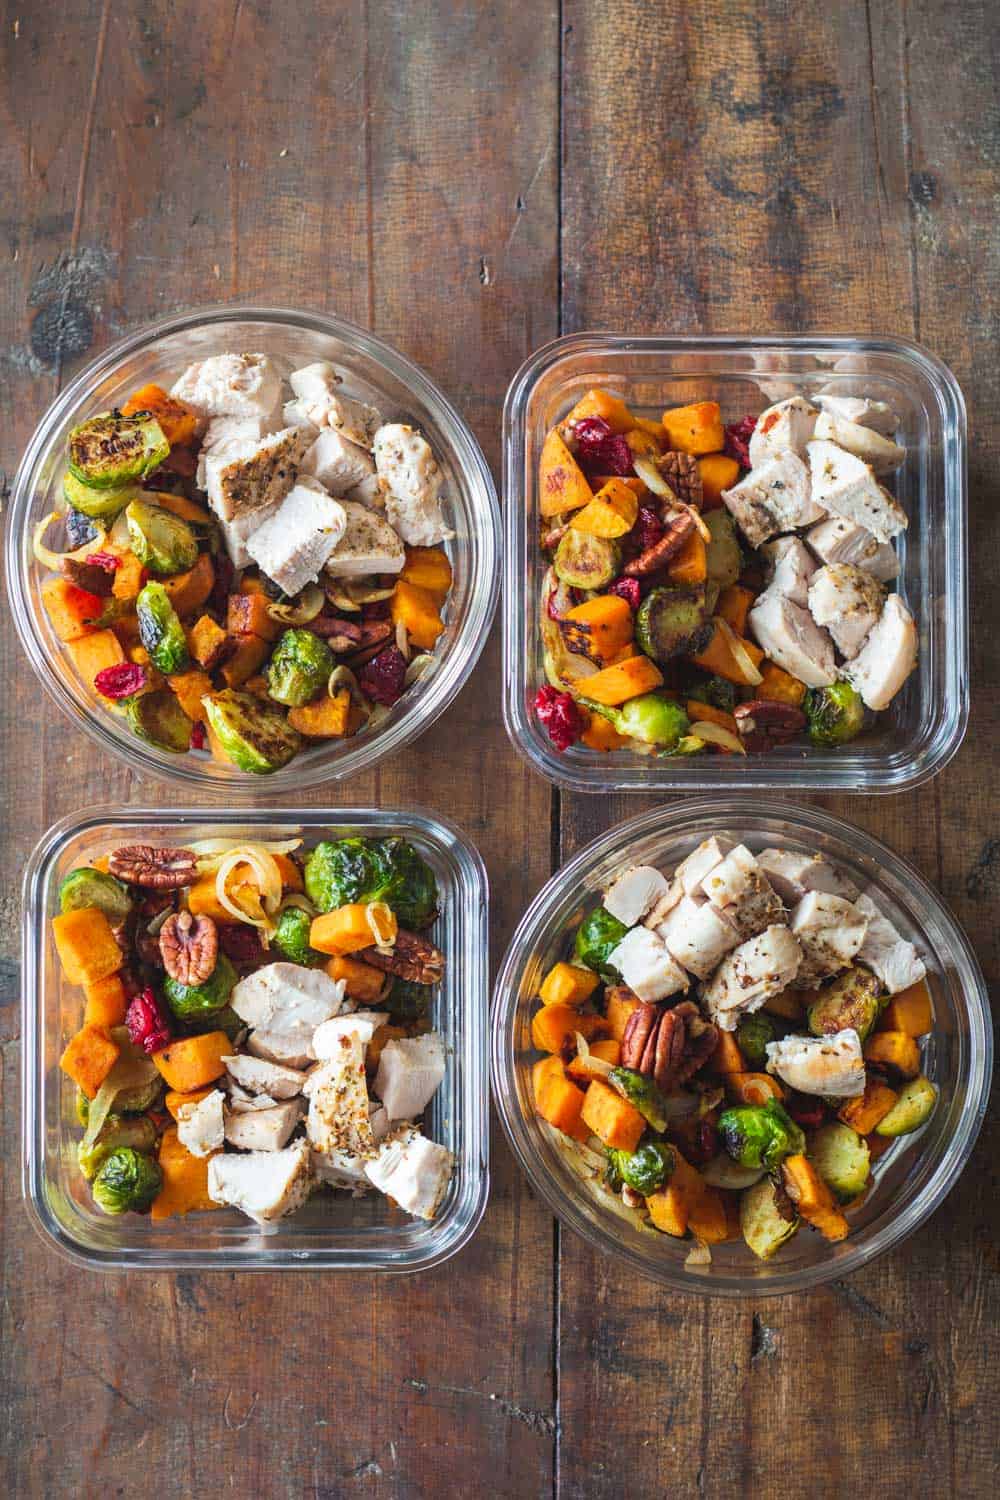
(653, 479)
(381, 923)
(402, 640)
(119, 535)
(269, 886)
(298, 900)
(54, 560)
(342, 677)
(718, 734)
(209, 851)
(594, 1067)
(743, 660)
(341, 600)
(695, 515)
(310, 602)
(418, 666)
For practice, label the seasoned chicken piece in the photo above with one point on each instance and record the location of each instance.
(221, 431)
(262, 1129)
(874, 414)
(251, 475)
(633, 893)
(740, 890)
(410, 1070)
(783, 428)
(368, 493)
(790, 636)
(830, 932)
(292, 1048)
(362, 1024)
(888, 656)
(759, 968)
(847, 601)
(265, 1185)
(642, 960)
(344, 1169)
(658, 913)
(795, 875)
(241, 1102)
(199, 1126)
(231, 385)
(847, 486)
(698, 935)
(369, 545)
(789, 568)
(884, 455)
(262, 1077)
(339, 465)
(235, 534)
(837, 540)
(338, 1101)
(413, 1171)
(411, 480)
(889, 956)
(284, 996)
(701, 862)
(773, 498)
(831, 1065)
(293, 546)
(317, 389)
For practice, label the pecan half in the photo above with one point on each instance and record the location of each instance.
(189, 947)
(163, 869)
(374, 635)
(683, 475)
(764, 722)
(680, 525)
(667, 1045)
(411, 957)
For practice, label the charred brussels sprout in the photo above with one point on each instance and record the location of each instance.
(225, 1020)
(760, 1135)
(161, 541)
(645, 1169)
(255, 737)
(160, 630)
(299, 668)
(643, 1093)
(88, 887)
(715, 691)
(338, 871)
(850, 1003)
(649, 718)
(723, 557)
(586, 562)
(127, 1181)
(672, 622)
(158, 719)
(752, 1035)
(596, 939)
(135, 1131)
(343, 872)
(405, 882)
(186, 1000)
(842, 1159)
(112, 450)
(291, 937)
(407, 1000)
(99, 505)
(836, 714)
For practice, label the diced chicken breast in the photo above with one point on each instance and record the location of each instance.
(317, 389)
(698, 935)
(830, 932)
(262, 1129)
(847, 486)
(634, 892)
(284, 996)
(877, 415)
(293, 546)
(411, 479)
(837, 540)
(847, 602)
(701, 862)
(236, 533)
(888, 656)
(230, 385)
(262, 1077)
(368, 493)
(790, 636)
(789, 568)
(740, 890)
(294, 415)
(369, 545)
(670, 898)
(831, 1065)
(221, 431)
(344, 1169)
(773, 498)
(200, 1126)
(339, 465)
(362, 1024)
(783, 428)
(886, 952)
(410, 1070)
(265, 1185)
(253, 474)
(882, 453)
(292, 1048)
(795, 875)
(759, 968)
(646, 967)
(338, 1101)
(240, 1101)
(413, 1171)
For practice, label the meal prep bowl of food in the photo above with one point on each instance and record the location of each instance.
(735, 563)
(741, 1045)
(255, 1043)
(252, 542)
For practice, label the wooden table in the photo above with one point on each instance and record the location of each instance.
(469, 179)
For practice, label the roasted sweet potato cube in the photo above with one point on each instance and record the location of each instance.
(247, 614)
(209, 644)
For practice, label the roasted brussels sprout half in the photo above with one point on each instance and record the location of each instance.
(136, 1131)
(752, 1035)
(850, 1003)
(842, 1159)
(673, 622)
(88, 887)
(225, 1020)
(715, 691)
(836, 714)
(343, 872)
(186, 1000)
(79, 528)
(648, 718)
(291, 938)
(645, 1169)
(407, 1000)
(760, 1135)
(255, 737)
(766, 1218)
(643, 1093)
(158, 718)
(98, 505)
(161, 541)
(126, 1181)
(586, 562)
(597, 936)
(299, 668)
(160, 630)
(112, 450)
(723, 559)
(912, 1109)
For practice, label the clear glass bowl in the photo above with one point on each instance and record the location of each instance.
(910, 1180)
(373, 372)
(924, 726)
(332, 1232)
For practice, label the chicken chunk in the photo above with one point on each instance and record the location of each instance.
(701, 862)
(262, 1077)
(318, 393)
(789, 568)
(698, 935)
(248, 476)
(231, 385)
(888, 656)
(847, 486)
(847, 602)
(886, 952)
(338, 1117)
(221, 431)
(344, 1169)
(884, 455)
(633, 893)
(830, 932)
(411, 480)
(413, 1171)
(673, 894)
(236, 533)
(338, 464)
(285, 996)
(290, 1048)
(362, 1024)
(646, 967)
(831, 1065)
(293, 546)
(241, 1101)
(783, 428)
(877, 415)
(262, 1129)
(369, 545)
(740, 890)
(265, 1185)
(775, 497)
(200, 1126)
(795, 875)
(837, 540)
(410, 1070)
(759, 968)
(790, 636)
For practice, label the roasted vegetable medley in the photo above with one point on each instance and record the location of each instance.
(255, 1025)
(248, 573)
(720, 588)
(728, 1048)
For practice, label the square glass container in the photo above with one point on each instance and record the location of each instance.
(923, 727)
(332, 1231)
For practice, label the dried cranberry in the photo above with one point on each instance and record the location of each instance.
(560, 716)
(108, 562)
(148, 1027)
(199, 739)
(218, 599)
(738, 435)
(628, 589)
(240, 943)
(123, 680)
(600, 450)
(378, 609)
(648, 528)
(382, 679)
(806, 1110)
(590, 433)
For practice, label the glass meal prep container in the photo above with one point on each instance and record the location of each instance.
(909, 1181)
(331, 1231)
(924, 726)
(373, 372)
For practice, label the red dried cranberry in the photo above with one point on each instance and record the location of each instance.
(199, 739)
(240, 943)
(600, 450)
(648, 528)
(107, 561)
(738, 435)
(147, 1025)
(377, 610)
(123, 680)
(628, 589)
(560, 716)
(806, 1110)
(590, 433)
(382, 679)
